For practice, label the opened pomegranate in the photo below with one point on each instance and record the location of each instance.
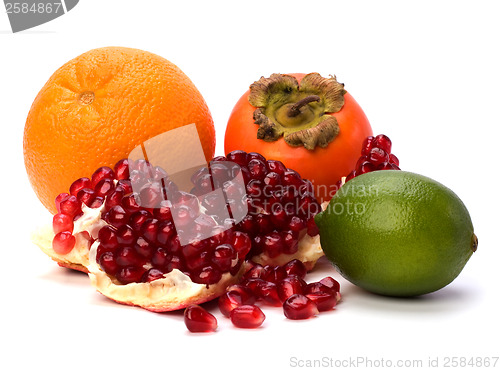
(146, 242)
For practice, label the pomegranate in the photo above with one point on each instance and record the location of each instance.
(145, 242)
(247, 316)
(198, 319)
(299, 306)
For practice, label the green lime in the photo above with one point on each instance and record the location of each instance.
(397, 233)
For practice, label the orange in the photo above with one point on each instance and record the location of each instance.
(99, 106)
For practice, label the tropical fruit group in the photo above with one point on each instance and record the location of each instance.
(397, 233)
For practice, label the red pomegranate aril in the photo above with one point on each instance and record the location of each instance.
(175, 262)
(290, 242)
(365, 167)
(241, 243)
(273, 244)
(194, 248)
(377, 156)
(263, 223)
(274, 274)
(129, 274)
(125, 185)
(257, 169)
(160, 258)
(289, 286)
(116, 216)
(279, 216)
(383, 142)
(393, 159)
(245, 293)
(183, 215)
(296, 267)
(163, 212)
(238, 157)
(223, 256)
(108, 263)
(62, 223)
(152, 274)
(312, 228)
(130, 204)
(330, 283)
(296, 224)
(114, 199)
(276, 166)
(143, 248)
(96, 202)
(63, 242)
(149, 230)
(323, 301)
(317, 287)
(125, 235)
(198, 319)
(385, 166)
(207, 275)
(103, 172)
(247, 316)
(151, 195)
(255, 272)
(70, 206)
(126, 256)
(86, 196)
(137, 219)
(351, 175)
(174, 245)
(299, 306)
(292, 178)
(367, 146)
(107, 238)
(60, 197)
(267, 292)
(121, 169)
(255, 156)
(228, 301)
(78, 185)
(166, 231)
(104, 187)
(199, 261)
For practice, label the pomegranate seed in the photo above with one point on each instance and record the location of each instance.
(126, 256)
(125, 235)
(323, 301)
(365, 167)
(274, 274)
(104, 187)
(318, 287)
(279, 216)
(290, 242)
(160, 258)
(377, 156)
(351, 175)
(263, 223)
(292, 178)
(299, 306)
(129, 203)
(62, 223)
(245, 293)
(223, 256)
(137, 219)
(198, 319)
(129, 274)
(393, 159)
(228, 301)
(199, 261)
(238, 157)
(116, 216)
(247, 316)
(257, 169)
(296, 224)
(152, 274)
(143, 248)
(78, 185)
(273, 244)
(383, 142)
(107, 238)
(296, 267)
(86, 196)
(207, 275)
(108, 263)
(149, 230)
(125, 185)
(330, 283)
(63, 242)
(367, 146)
(254, 155)
(163, 212)
(241, 243)
(166, 231)
(121, 169)
(60, 197)
(312, 228)
(255, 272)
(103, 172)
(289, 286)
(276, 166)
(114, 199)
(70, 206)
(267, 292)
(385, 166)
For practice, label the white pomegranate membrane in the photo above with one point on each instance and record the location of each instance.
(146, 227)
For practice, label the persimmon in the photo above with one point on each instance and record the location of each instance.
(308, 122)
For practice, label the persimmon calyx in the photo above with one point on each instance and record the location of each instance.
(297, 112)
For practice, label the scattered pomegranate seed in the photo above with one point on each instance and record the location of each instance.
(198, 319)
(228, 301)
(323, 301)
(299, 306)
(247, 316)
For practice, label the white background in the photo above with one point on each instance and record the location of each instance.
(426, 74)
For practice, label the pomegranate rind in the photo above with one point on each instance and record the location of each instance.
(76, 259)
(175, 291)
